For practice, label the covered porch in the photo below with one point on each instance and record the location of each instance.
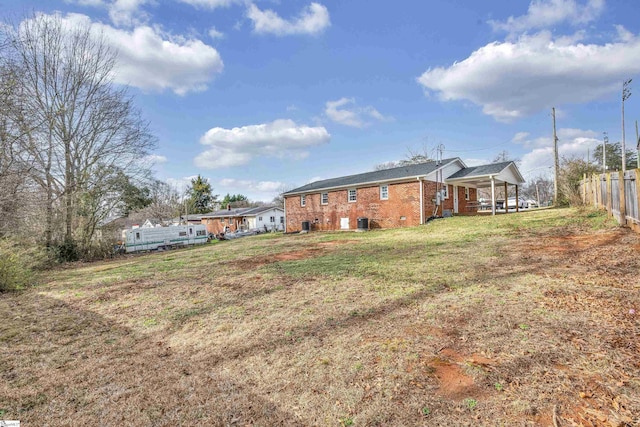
(493, 176)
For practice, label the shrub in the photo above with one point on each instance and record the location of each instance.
(17, 264)
(67, 251)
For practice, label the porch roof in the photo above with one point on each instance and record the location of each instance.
(480, 176)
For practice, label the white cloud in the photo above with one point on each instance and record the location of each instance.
(314, 19)
(624, 35)
(90, 3)
(237, 146)
(128, 12)
(355, 116)
(121, 12)
(153, 159)
(211, 4)
(151, 60)
(249, 186)
(571, 143)
(519, 137)
(215, 34)
(547, 13)
(514, 79)
(181, 184)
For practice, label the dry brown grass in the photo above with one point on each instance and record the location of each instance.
(467, 321)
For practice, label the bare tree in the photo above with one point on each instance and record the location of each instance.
(85, 128)
(412, 157)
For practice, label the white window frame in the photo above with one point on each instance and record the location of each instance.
(303, 200)
(466, 193)
(324, 201)
(384, 194)
(445, 191)
(355, 195)
(272, 219)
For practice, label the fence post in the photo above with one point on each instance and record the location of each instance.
(637, 198)
(623, 204)
(609, 204)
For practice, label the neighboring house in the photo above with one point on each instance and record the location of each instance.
(112, 228)
(397, 197)
(189, 219)
(267, 218)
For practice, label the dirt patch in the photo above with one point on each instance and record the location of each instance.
(453, 381)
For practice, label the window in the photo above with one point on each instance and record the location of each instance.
(445, 191)
(137, 235)
(281, 220)
(229, 221)
(303, 200)
(352, 195)
(259, 218)
(201, 233)
(384, 192)
(272, 219)
(182, 233)
(466, 193)
(324, 198)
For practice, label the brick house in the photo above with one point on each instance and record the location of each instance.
(398, 197)
(266, 218)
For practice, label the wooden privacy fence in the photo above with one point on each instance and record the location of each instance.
(617, 194)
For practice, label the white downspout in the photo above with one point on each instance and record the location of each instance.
(284, 208)
(421, 201)
(493, 195)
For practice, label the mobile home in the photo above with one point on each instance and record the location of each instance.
(145, 239)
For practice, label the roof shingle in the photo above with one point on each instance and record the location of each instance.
(408, 171)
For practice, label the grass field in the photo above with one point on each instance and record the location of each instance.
(523, 319)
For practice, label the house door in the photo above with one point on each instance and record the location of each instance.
(191, 236)
(455, 199)
(344, 223)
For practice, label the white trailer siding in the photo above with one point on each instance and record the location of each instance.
(144, 239)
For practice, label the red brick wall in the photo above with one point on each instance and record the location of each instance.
(403, 202)
(217, 225)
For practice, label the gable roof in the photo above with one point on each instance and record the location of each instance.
(503, 171)
(483, 170)
(393, 174)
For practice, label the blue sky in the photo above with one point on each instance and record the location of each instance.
(265, 95)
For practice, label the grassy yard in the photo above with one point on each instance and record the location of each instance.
(523, 319)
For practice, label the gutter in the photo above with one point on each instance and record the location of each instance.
(421, 200)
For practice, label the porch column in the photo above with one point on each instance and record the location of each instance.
(506, 204)
(517, 200)
(493, 196)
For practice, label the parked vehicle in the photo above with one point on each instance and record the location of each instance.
(522, 203)
(146, 239)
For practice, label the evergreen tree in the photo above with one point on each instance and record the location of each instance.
(200, 198)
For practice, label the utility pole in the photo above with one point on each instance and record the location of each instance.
(605, 140)
(555, 156)
(626, 93)
(537, 195)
